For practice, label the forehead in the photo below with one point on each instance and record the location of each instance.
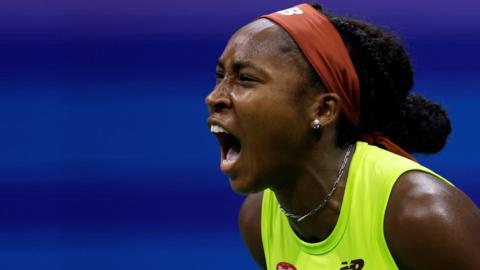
(260, 41)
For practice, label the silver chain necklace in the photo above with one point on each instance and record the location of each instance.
(300, 218)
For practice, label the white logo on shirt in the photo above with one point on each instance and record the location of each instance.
(291, 11)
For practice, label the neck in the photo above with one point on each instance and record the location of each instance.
(311, 186)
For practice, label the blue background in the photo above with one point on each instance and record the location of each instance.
(105, 158)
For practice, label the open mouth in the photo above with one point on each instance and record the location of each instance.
(230, 147)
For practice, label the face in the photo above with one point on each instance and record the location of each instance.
(259, 110)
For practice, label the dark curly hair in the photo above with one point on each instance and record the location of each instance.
(386, 78)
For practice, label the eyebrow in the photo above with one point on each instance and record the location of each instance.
(243, 64)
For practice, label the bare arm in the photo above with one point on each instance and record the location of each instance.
(432, 225)
(250, 226)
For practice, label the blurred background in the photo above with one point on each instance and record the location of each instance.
(105, 158)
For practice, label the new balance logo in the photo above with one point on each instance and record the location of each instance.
(291, 11)
(354, 265)
(285, 266)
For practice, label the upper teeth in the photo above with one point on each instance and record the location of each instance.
(217, 129)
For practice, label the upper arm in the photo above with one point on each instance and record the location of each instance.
(250, 226)
(430, 224)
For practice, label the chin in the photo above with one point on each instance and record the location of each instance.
(244, 187)
(240, 188)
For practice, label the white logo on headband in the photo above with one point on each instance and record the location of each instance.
(291, 11)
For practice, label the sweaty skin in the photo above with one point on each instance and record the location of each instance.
(261, 97)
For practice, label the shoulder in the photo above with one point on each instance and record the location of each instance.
(430, 224)
(249, 219)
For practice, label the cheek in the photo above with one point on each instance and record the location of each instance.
(275, 138)
(274, 130)
(277, 125)
(273, 111)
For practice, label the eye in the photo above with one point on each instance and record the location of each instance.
(219, 74)
(246, 78)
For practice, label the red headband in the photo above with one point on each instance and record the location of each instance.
(324, 48)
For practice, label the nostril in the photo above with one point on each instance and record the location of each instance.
(219, 106)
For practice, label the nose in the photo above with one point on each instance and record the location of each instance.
(219, 99)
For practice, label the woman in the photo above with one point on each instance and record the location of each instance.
(315, 122)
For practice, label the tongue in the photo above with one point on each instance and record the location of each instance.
(232, 154)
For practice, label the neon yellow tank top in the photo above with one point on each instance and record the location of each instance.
(357, 241)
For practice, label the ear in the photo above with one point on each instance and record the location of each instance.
(326, 108)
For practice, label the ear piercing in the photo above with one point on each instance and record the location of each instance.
(316, 124)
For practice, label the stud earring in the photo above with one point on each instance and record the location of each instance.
(316, 124)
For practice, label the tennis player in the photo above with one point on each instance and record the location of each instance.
(316, 123)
